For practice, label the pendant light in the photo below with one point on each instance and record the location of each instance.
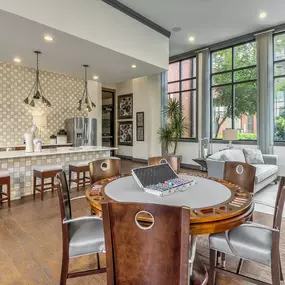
(36, 92)
(86, 99)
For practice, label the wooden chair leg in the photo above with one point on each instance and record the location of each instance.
(42, 188)
(34, 186)
(212, 267)
(98, 261)
(281, 273)
(223, 260)
(239, 266)
(77, 180)
(64, 269)
(9, 193)
(275, 267)
(52, 184)
(1, 197)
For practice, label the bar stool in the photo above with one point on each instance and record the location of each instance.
(79, 167)
(5, 180)
(43, 172)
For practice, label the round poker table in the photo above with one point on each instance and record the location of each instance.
(215, 206)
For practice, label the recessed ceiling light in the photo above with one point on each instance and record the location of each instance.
(176, 29)
(17, 60)
(48, 38)
(95, 77)
(133, 66)
(262, 15)
(191, 39)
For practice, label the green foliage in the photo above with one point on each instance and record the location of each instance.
(280, 129)
(245, 92)
(247, 136)
(174, 127)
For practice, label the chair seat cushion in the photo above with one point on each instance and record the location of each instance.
(79, 163)
(48, 167)
(263, 171)
(86, 237)
(249, 243)
(4, 173)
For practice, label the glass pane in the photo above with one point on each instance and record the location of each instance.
(188, 84)
(173, 96)
(279, 47)
(222, 60)
(173, 71)
(245, 74)
(173, 87)
(188, 68)
(245, 110)
(245, 55)
(188, 104)
(222, 110)
(223, 78)
(279, 68)
(279, 109)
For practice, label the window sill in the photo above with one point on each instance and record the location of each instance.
(279, 143)
(188, 140)
(243, 142)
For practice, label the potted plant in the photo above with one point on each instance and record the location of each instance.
(174, 127)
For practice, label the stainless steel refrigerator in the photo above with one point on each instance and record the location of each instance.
(81, 131)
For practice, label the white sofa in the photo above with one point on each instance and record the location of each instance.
(265, 173)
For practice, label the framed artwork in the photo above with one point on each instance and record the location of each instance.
(125, 136)
(125, 106)
(140, 126)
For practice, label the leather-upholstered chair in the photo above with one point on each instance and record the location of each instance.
(253, 242)
(174, 161)
(80, 236)
(104, 168)
(146, 253)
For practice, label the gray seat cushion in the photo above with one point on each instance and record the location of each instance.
(249, 243)
(47, 167)
(79, 163)
(4, 173)
(86, 237)
(263, 171)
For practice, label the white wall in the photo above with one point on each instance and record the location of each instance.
(146, 98)
(95, 92)
(97, 22)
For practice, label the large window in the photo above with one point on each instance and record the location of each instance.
(234, 91)
(279, 87)
(182, 86)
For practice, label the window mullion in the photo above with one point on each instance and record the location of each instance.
(233, 91)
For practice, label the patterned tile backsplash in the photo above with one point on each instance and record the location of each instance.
(16, 117)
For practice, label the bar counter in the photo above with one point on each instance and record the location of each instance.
(20, 164)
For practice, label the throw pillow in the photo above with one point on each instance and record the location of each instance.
(233, 154)
(253, 156)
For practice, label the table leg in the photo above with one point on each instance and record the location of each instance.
(198, 273)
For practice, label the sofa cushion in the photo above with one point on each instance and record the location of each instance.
(233, 155)
(253, 156)
(263, 171)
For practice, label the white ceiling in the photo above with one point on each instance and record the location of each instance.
(209, 21)
(66, 54)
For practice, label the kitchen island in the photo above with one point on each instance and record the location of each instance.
(20, 164)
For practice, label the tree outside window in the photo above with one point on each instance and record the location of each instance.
(234, 91)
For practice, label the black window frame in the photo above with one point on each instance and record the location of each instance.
(180, 80)
(232, 83)
(276, 142)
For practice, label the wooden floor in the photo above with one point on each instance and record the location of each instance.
(30, 244)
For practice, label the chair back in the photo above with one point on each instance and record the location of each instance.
(241, 174)
(104, 168)
(64, 196)
(279, 205)
(174, 161)
(149, 253)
